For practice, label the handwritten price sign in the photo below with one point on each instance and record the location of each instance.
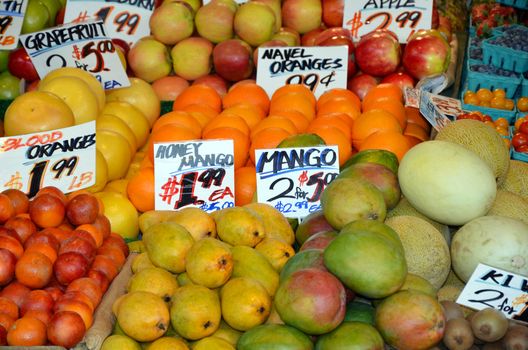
(196, 173)
(64, 158)
(293, 179)
(403, 17)
(127, 20)
(84, 45)
(499, 289)
(11, 19)
(319, 68)
(432, 112)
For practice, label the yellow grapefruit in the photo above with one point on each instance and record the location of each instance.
(116, 152)
(115, 124)
(133, 117)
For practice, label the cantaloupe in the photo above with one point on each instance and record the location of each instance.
(511, 205)
(405, 208)
(481, 139)
(426, 251)
(516, 179)
(453, 280)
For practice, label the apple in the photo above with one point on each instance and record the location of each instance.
(9, 86)
(288, 35)
(195, 4)
(302, 15)
(276, 6)
(361, 84)
(7, 267)
(4, 57)
(337, 36)
(191, 57)
(254, 23)
(426, 54)
(401, 79)
(53, 6)
(215, 81)
(172, 22)
(59, 18)
(149, 59)
(233, 60)
(271, 43)
(333, 13)
(308, 39)
(20, 65)
(170, 87)
(214, 22)
(378, 53)
(36, 18)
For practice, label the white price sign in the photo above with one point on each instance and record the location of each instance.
(64, 158)
(83, 45)
(434, 115)
(11, 19)
(195, 173)
(499, 289)
(293, 179)
(320, 68)
(127, 20)
(403, 17)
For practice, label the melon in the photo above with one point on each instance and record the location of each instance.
(482, 139)
(511, 205)
(453, 280)
(496, 241)
(447, 182)
(517, 179)
(426, 251)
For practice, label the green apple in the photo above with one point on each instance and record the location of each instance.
(53, 7)
(4, 56)
(36, 18)
(9, 86)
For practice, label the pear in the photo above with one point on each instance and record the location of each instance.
(245, 303)
(183, 279)
(276, 251)
(155, 280)
(143, 316)
(275, 224)
(198, 222)
(195, 311)
(167, 244)
(248, 262)
(239, 226)
(209, 262)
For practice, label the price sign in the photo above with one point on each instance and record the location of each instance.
(319, 68)
(293, 179)
(83, 45)
(195, 173)
(403, 17)
(64, 158)
(127, 20)
(499, 289)
(11, 19)
(434, 115)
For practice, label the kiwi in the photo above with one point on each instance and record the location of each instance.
(458, 334)
(516, 338)
(489, 324)
(451, 310)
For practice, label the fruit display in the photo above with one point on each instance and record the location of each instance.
(520, 135)
(59, 257)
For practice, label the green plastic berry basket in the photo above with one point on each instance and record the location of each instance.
(478, 80)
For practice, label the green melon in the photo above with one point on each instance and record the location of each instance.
(516, 179)
(481, 139)
(426, 250)
(510, 205)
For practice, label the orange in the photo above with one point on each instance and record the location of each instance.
(373, 121)
(265, 139)
(242, 82)
(199, 93)
(338, 93)
(333, 136)
(247, 93)
(206, 110)
(95, 232)
(179, 118)
(502, 122)
(414, 117)
(250, 113)
(499, 93)
(389, 140)
(383, 91)
(331, 120)
(298, 119)
(245, 185)
(340, 106)
(413, 141)
(27, 331)
(416, 131)
(471, 100)
(509, 104)
(169, 133)
(240, 142)
(519, 121)
(275, 121)
(294, 101)
(484, 95)
(396, 108)
(522, 104)
(294, 88)
(227, 120)
(44, 249)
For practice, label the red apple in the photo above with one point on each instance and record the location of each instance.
(333, 13)
(20, 65)
(308, 39)
(302, 15)
(338, 36)
(361, 84)
(215, 81)
(59, 18)
(66, 328)
(401, 79)
(426, 54)
(233, 59)
(271, 43)
(7, 266)
(378, 53)
(70, 266)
